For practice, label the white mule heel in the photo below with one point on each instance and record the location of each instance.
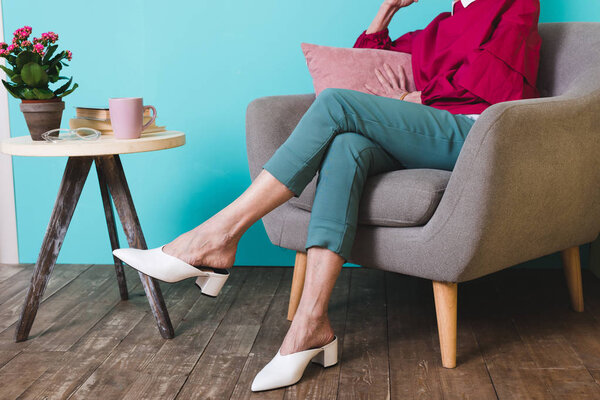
(287, 370)
(212, 283)
(159, 265)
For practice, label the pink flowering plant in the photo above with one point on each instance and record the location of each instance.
(32, 65)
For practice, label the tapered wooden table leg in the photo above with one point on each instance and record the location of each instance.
(112, 232)
(74, 178)
(117, 185)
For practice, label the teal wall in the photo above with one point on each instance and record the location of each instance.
(200, 63)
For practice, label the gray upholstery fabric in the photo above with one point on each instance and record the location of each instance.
(406, 197)
(526, 184)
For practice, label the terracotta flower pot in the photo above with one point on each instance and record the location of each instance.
(42, 115)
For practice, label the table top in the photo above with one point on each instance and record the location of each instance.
(105, 145)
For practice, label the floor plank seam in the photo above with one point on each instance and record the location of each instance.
(487, 368)
(12, 358)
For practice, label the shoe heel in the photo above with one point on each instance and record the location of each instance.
(329, 356)
(211, 284)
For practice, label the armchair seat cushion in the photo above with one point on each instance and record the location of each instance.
(406, 197)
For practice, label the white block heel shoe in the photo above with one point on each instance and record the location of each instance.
(159, 265)
(287, 370)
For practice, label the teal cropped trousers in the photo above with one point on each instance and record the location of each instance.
(347, 136)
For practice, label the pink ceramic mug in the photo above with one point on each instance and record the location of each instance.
(127, 117)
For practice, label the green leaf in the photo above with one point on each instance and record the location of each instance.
(33, 75)
(14, 90)
(54, 71)
(16, 78)
(26, 57)
(56, 60)
(43, 94)
(63, 87)
(49, 53)
(29, 94)
(9, 72)
(68, 92)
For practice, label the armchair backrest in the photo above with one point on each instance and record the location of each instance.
(570, 58)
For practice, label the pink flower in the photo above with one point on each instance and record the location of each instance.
(3, 52)
(26, 43)
(11, 48)
(23, 33)
(69, 55)
(3, 45)
(49, 37)
(38, 48)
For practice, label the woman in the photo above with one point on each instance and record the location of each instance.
(481, 53)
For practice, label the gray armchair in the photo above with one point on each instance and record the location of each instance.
(526, 184)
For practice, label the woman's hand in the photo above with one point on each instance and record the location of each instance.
(393, 86)
(413, 97)
(399, 3)
(387, 10)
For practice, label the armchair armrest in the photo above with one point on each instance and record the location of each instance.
(526, 184)
(269, 122)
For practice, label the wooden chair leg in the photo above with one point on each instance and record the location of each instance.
(595, 257)
(112, 231)
(572, 268)
(74, 178)
(297, 284)
(445, 295)
(117, 185)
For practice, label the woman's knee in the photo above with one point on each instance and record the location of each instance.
(352, 144)
(332, 97)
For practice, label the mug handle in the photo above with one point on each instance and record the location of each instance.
(153, 116)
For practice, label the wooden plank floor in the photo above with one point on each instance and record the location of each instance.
(518, 339)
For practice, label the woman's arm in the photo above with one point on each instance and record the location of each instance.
(386, 12)
(377, 36)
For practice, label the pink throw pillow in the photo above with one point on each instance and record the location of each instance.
(349, 68)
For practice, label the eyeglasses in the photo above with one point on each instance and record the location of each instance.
(62, 135)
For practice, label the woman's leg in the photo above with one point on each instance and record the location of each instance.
(419, 136)
(214, 242)
(349, 160)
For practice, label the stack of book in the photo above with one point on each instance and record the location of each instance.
(99, 118)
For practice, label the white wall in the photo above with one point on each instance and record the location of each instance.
(8, 223)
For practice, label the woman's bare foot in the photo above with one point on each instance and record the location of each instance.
(210, 244)
(307, 333)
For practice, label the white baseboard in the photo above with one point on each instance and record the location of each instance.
(9, 253)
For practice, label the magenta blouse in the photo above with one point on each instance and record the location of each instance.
(480, 55)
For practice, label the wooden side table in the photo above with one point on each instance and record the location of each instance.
(105, 153)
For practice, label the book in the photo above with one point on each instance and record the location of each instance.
(99, 118)
(101, 125)
(144, 132)
(92, 113)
